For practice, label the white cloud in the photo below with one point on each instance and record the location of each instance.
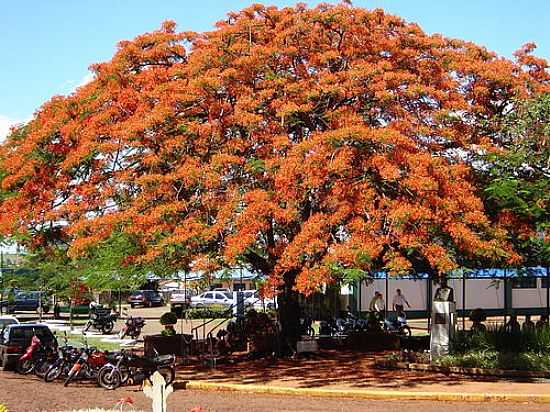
(86, 79)
(5, 124)
(71, 85)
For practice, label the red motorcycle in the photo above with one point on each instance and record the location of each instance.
(132, 327)
(87, 365)
(37, 358)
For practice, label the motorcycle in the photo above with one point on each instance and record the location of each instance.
(87, 365)
(102, 320)
(398, 325)
(132, 327)
(37, 358)
(346, 324)
(137, 368)
(67, 356)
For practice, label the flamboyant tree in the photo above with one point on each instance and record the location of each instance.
(302, 142)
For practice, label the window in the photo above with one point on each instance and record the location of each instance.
(524, 283)
(220, 296)
(544, 283)
(208, 295)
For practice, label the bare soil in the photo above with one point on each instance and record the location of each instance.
(29, 394)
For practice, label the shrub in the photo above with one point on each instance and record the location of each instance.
(168, 318)
(501, 340)
(526, 361)
(168, 332)
(208, 312)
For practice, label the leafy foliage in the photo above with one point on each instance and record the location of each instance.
(295, 140)
(168, 318)
(518, 177)
(528, 361)
(500, 340)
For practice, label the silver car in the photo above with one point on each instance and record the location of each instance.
(212, 298)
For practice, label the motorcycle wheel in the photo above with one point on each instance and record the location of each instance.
(24, 367)
(109, 378)
(405, 331)
(168, 373)
(54, 372)
(107, 327)
(41, 368)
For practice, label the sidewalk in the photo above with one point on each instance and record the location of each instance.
(354, 375)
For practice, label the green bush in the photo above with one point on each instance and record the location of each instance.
(168, 332)
(500, 340)
(168, 318)
(208, 312)
(527, 361)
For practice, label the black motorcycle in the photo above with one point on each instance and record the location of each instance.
(67, 356)
(132, 327)
(127, 366)
(344, 325)
(101, 319)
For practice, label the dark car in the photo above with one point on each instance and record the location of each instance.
(14, 340)
(29, 301)
(146, 298)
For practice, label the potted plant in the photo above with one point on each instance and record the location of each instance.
(168, 320)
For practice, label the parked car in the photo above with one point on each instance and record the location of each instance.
(181, 298)
(6, 320)
(212, 298)
(253, 299)
(29, 301)
(226, 290)
(145, 298)
(15, 338)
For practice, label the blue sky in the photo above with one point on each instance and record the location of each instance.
(47, 46)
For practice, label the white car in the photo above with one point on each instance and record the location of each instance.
(6, 320)
(181, 297)
(252, 299)
(212, 298)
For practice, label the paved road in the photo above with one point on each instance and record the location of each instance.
(26, 394)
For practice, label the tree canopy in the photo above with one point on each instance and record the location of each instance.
(304, 142)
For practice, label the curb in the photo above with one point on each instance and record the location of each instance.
(367, 394)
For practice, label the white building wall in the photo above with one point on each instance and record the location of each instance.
(480, 293)
(529, 298)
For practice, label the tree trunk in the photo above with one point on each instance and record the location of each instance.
(289, 315)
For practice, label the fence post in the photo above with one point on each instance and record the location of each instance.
(505, 297)
(463, 300)
(547, 291)
(429, 302)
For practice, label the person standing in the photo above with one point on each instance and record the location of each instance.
(399, 301)
(377, 305)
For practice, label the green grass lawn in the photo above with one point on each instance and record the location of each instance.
(96, 342)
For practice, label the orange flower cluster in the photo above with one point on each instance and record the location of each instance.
(292, 139)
